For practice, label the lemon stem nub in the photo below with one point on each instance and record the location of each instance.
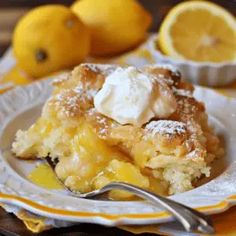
(41, 55)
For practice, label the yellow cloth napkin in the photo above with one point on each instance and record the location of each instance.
(224, 223)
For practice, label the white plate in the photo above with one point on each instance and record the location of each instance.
(20, 107)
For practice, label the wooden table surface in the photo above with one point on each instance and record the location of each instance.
(10, 12)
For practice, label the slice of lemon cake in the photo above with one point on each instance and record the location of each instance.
(106, 123)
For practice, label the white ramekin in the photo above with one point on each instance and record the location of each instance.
(202, 73)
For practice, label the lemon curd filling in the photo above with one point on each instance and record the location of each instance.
(165, 155)
(38, 174)
(88, 163)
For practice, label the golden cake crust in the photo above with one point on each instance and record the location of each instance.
(73, 98)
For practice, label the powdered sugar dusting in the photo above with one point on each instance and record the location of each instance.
(89, 93)
(68, 105)
(166, 127)
(72, 102)
(98, 68)
(168, 80)
(182, 92)
(101, 120)
(187, 108)
(60, 78)
(167, 67)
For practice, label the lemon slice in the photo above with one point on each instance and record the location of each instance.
(199, 31)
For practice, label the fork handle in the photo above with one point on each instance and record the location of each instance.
(188, 217)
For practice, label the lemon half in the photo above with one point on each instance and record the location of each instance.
(199, 31)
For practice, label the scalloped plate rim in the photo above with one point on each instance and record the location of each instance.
(100, 218)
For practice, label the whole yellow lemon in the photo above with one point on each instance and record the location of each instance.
(115, 25)
(50, 38)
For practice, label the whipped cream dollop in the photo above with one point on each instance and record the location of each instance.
(129, 96)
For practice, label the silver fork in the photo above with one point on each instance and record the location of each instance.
(190, 219)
